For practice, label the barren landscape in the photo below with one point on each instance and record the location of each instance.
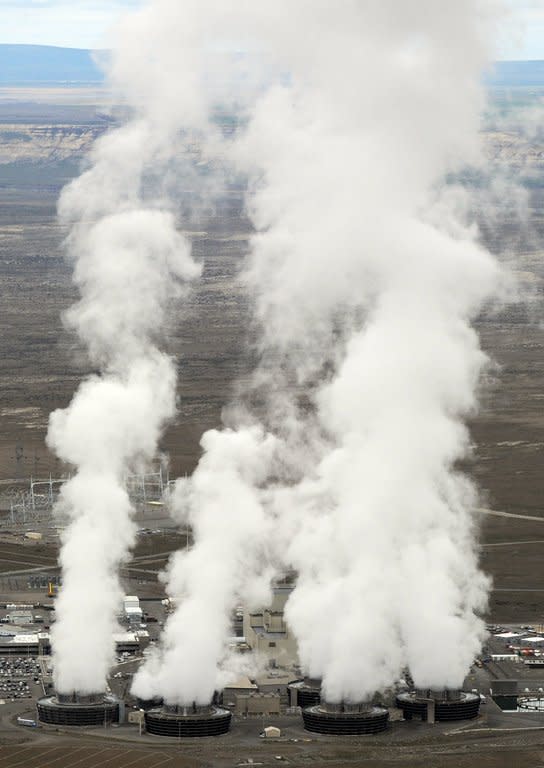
(44, 136)
(40, 364)
(43, 143)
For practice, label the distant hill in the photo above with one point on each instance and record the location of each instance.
(515, 73)
(47, 65)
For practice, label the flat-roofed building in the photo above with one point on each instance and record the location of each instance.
(257, 704)
(25, 645)
(267, 632)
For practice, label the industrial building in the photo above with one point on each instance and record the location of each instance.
(246, 704)
(19, 617)
(277, 692)
(38, 644)
(133, 614)
(131, 642)
(267, 632)
(25, 644)
(243, 686)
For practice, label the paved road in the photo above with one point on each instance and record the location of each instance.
(37, 569)
(512, 543)
(54, 566)
(496, 512)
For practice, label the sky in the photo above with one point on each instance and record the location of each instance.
(84, 24)
(68, 23)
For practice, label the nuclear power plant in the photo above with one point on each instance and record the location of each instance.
(277, 693)
(278, 699)
(316, 560)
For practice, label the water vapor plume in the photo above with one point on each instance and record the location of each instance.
(362, 270)
(130, 263)
(365, 280)
(221, 504)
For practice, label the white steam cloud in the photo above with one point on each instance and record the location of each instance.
(129, 264)
(365, 283)
(221, 504)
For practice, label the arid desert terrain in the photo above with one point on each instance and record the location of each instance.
(44, 136)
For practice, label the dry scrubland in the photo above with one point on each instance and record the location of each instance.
(41, 147)
(40, 365)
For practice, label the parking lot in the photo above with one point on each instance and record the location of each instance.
(19, 678)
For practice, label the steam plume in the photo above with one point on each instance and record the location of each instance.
(130, 263)
(221, 504)
(365, 283)
(359, 267)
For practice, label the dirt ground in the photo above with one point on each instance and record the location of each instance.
(41, 364)
(415, 746)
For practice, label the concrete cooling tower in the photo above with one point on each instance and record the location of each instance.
(441, 706)
(186, 722)
(78, 709)
(345, 719)
(305, 693)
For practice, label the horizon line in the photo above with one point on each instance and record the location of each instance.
(105, 50)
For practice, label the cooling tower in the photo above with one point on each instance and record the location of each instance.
(305, 693)
(78, 709)
(146, 704)
(187, 722)
(442, 705)
(345, 719)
